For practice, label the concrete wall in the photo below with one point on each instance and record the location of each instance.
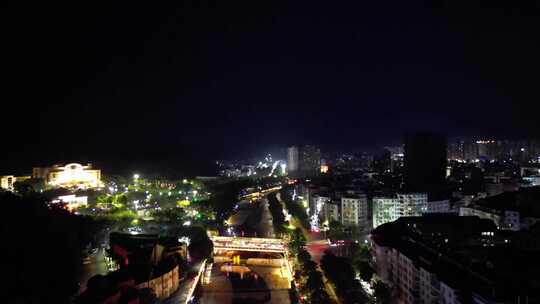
(164, 285)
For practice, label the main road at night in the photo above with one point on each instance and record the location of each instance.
(251, 268)
(93, 264)
(316, 246)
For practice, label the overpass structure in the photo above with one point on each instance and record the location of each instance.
(226, 243)
(260, 193)
(223, 244)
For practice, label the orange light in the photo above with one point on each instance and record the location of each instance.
(324, 168)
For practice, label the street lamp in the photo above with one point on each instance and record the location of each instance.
(136, 176)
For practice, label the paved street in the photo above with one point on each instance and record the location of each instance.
(93, 265)
(239, 217)
(265, 228)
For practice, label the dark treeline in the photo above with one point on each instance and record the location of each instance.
(43, 249)
(341, 273)
(295, 209)
(276, 209)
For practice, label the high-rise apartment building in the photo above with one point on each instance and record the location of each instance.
(303, 161)
(389, 209)
(292, 159)
(491, 149)
(310, 160)
(354, 211)
(470, 150)
(456, 150)
(331, 212)
(425, 162)
(411, 254)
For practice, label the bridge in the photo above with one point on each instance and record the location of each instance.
(260, 193)
(226, 243)
(223, 244)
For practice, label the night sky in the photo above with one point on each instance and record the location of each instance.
(129, 84)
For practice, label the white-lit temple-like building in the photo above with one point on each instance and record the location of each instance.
(69, 176)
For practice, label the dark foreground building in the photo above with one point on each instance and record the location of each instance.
(149, 271)
(457, 259)
(425, 162)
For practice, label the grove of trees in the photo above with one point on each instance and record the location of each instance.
(341, 273)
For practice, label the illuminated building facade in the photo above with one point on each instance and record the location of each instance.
(354, 210)
(389, 209)
(70, 176)
(331, 212)
(73, 202)
(384, 210)
(8, 181)
(324, 168)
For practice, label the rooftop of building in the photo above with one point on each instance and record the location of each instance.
(102, 287)
(525, 201)
(62, 166)
(447, 225)
(353, 196)
(459, 262)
